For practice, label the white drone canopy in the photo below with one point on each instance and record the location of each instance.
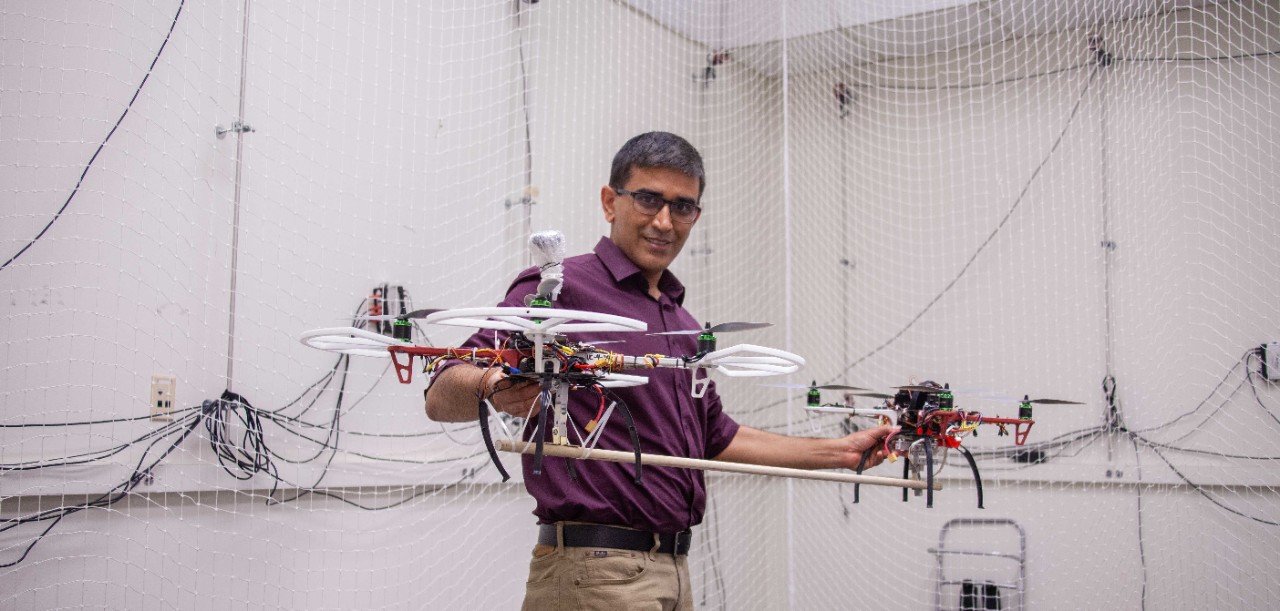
(547, 249)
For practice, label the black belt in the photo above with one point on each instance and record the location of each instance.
(596, 535)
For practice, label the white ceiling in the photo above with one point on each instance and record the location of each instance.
(867, 30)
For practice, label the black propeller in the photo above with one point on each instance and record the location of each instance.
(918, 388)
(724, 327)
(820, 387)
(1025, 399)
(406, 316)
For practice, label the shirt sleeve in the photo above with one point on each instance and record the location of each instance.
(720, 428)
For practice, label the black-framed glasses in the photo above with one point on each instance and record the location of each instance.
(650, 204)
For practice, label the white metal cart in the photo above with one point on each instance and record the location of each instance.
(990, 555)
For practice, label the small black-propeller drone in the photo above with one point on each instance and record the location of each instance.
(927, 418)
(538, 348)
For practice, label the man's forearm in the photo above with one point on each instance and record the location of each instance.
(452, 394)
(763, 448)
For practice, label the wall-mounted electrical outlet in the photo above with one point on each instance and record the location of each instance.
(1271, 361)
(163, 391)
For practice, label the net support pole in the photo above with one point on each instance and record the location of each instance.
(659, 460)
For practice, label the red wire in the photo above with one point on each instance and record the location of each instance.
(600, 413)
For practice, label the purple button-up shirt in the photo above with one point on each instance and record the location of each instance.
(669, 420)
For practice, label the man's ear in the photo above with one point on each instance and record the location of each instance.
(607, 198)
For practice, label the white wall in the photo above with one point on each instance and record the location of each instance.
(388, 139)
(1168, 159)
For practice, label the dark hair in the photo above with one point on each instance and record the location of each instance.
(657, 150)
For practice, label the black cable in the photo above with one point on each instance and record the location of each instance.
(524, 98)
(1062, 440)
(965, 86)
(1142, 550)
(323, 380)
(140, 474)
(1088, 441)
(283, 422)
(334, 433)
(275, 415)
(328, 377)
(1218, 58)
(76, 189)
(1253, 386)
(432, 491)
(1026, 188)
(251, 455)
(1201, 452)
(305, 491)
(241, 458)
(96, 455)
(1202, 403)
(1110, 390)
(1200, 489)
(1025, 77)
(89, 422)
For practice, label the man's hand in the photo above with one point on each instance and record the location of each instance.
(451, 397)
(867, 441)
(514, 396)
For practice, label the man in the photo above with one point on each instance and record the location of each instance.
(604, 541)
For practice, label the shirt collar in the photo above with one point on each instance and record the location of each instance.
(621, 268)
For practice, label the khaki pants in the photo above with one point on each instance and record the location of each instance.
(597, 578)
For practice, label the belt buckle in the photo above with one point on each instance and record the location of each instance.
(683, 540)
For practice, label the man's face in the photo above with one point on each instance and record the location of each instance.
(651, 242)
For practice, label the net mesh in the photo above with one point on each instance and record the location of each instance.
(1059, 200)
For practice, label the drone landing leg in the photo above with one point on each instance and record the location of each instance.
(635, 438)
(973, 466)
(862, 464)
(488, 440)
(541, 431)
(906, 474)
(928, 468)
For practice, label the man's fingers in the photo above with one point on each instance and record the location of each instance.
(516, 397)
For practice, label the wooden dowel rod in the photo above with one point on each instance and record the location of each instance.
(711, 465)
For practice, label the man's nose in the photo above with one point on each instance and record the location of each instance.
(662, 220)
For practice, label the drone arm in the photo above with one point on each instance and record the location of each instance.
(1020, 427)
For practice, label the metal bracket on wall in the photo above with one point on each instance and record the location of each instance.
(238, 127)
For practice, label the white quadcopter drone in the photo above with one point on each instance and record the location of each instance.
(538, 349)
